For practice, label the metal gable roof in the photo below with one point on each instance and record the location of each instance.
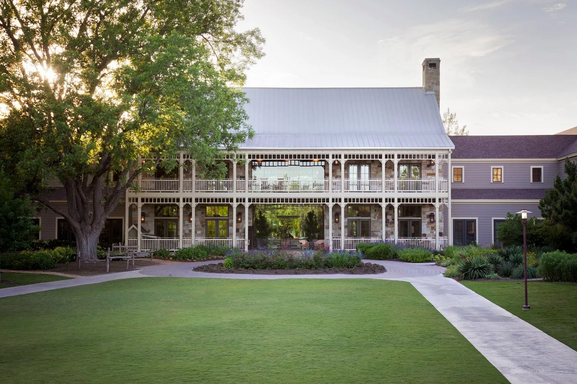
(352, 118)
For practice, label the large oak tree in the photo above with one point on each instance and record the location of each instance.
(89, 87)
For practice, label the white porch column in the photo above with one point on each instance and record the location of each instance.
(193, 223)
(193, 176)
(343, 223)
(450, 204)
(395, 178)
(246, 181)
(126, 218)
(396, 216)
(383, 220)
(383, 164)
(246, 208)
(234, 181)
(139, 226)
(234, 204)
(437, 173)
(180, 218)
(330, 204)
(437, 222)
(181, 174)
(342, 175)
(330, 178)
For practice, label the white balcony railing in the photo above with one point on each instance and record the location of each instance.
(351, 243)
(421, 185)
(219, 242)
(368, 185)
(159, 185)
(154, 243)
(225, 185)
(287, 185)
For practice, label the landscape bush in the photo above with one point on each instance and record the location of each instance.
(381, 252)
(363, 247)
(505, 268)
(415, 255)
(196, 252)
(453, 272)
(162, 253)
(558, 266)
(288, 260)
(476, 267)
(519, 272)
(28, 260)
(217, 250)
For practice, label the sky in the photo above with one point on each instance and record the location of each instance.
(508, 67)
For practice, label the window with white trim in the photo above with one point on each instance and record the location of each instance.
(496, 174)
(536, 174)
(458, 175)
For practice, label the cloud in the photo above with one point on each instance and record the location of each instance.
(494, 4)
(555, 7)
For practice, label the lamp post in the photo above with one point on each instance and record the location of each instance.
(524, 213)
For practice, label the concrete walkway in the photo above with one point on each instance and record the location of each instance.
(521, 352)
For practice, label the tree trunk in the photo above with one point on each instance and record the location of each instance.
(87, 244)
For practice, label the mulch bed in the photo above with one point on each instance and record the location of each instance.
(364, 269)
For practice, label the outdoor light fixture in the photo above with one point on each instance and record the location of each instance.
(259, 160)
(432, 217)
(336, 162)
(337, 217)
(315, 160)
(239, 217)
(143, 217)
(190, 217)
(524, 213)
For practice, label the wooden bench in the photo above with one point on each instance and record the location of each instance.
(119, 256)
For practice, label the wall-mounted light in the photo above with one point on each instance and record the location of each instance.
(143, 217)
(239, 217)
(190, 217)
(432, 217)
(431, 163)
(315, 160)
(337, 217)
(259, 160)
(336, 162)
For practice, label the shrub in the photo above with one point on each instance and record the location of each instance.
(216, 250)
(228, 263)
(559, 266)
(196, 252)
(519, 272)
(343, 259)
(516, 259)
(162, 253)
(492, 276)
(28, 260)
(363, 247)
(453, 271)
(415, 255)
(505, 268)
(476, 267)
(381, 252)
(63, 254)
(286, 260)
(495, 260)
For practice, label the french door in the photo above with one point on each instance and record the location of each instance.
(464, 231)
(359, 228)
(410, 228)
(359, 176)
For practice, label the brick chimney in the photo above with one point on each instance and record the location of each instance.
(432, 77)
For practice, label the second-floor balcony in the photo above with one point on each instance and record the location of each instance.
(295, 185)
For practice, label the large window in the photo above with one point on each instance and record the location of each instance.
(410, 228)
(359, 176)
(63, 230)
(358, 228)
(536, 174)
(166, 228)
(410, 211)
(496, 174)
(358, 211)
(217, 228)
(409, 177)
(166, 211)
(496, 223)
(217, 211)
(464, 231)
(112, 233)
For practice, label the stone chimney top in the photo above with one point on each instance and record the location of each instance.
(432, 77)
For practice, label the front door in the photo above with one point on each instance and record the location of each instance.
(464, 231)
(410, 228)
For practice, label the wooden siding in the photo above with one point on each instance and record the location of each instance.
(515, 175)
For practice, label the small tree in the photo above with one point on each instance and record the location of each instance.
(510, 232)
(261, 225)
(311, 226)
(559, 205)
(451, 124)
(16, 227)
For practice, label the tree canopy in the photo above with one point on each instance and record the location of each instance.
(451, 124)
(88, 88)
(559, 205)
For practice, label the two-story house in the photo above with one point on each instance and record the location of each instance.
(374, 164)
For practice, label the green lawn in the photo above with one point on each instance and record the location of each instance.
(11, 279)
(234, 331)
(553, 305)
